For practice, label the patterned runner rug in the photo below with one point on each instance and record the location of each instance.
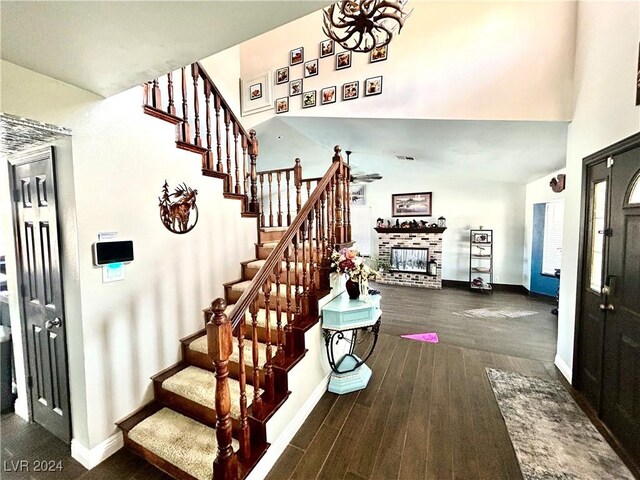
(552, 437)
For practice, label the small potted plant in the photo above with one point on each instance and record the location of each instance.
(349, 262)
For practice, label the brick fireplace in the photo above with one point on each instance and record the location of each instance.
(402, 239)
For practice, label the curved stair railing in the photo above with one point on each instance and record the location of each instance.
(294, 276)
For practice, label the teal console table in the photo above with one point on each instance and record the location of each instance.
(339, 317)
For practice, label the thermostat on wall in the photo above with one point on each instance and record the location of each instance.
(106, 253)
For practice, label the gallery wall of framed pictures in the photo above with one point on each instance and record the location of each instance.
(306, 63)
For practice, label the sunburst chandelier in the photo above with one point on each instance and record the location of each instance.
(362, 25)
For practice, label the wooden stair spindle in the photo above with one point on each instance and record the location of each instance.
(256, 405)
(227, 126)
(288, 331)
(305, 285)
(280, 332)
(308, 183)
(262, 219)
(245, 178)
(347, 203)
(237, 158)
(185, 128)
(278, 181)
(269, 385)
(196, 105)
(295, 276)
(220, 345)
(253, 155)
(270, 180)
(312, 269)
(171, 108)
(339, 197)
(244, 436)
(288, 180)
(155, 95)
(207, 100)
(297, 180)
(331, 210)
(317, 257)
(219, 167)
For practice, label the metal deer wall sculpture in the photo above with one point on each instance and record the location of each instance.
(178, 210)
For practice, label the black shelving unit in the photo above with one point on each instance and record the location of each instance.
(481, 260)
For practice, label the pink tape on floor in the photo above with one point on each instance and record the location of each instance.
(423, 337)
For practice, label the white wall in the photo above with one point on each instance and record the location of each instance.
(452, 60)
(466, 204)
(121, 158)
(605, 112)
(537, 191)
(224, 70)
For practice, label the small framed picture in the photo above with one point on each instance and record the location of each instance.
(411, 204)
(343, 60)
(373, 86)
(481, 238)
(296, 56)
(295, 87)
(357, 194)
(255, 91)
(309, 99)
(350, 90)
(378, 54)
(282, 75)
(326, 48)
(282, 105)
(328, 95)
(311, 68)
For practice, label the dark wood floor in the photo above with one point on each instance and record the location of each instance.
(418, 310)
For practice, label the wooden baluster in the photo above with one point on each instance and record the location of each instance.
(305, 287)
(287, 329)
(235, 144)
(324, 221)
(171, 108)
(256, 405)
(155, 95)
(280, 340)
(269, 386)
(331, 208)
(218, 144)
(207, 99)
(339, 196)
(185, 128)
(297, 281)
(270, 179)
(318, 258)
(347, 202)
(227, 125)
(325, 255)
(297, 180)
(244, 436)
(253, 155)
(312, 268)
(146, 94)
(278, 180)
(288, 179)
(262, 224)
(308, 189)
(220, 347)
(196, 104)
(245, 178)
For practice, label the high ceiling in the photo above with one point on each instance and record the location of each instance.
(506, 151)
(106, 47)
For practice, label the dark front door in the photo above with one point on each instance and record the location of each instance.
(621, 358)
(592, 316)
(41, 291)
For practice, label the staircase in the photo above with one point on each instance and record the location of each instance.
(210, 411)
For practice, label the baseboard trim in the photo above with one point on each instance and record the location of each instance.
(91, 457)
(497, 287)
(564, 368)
(277, 448)
(21, 408)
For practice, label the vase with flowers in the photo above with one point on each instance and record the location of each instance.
(349, 262)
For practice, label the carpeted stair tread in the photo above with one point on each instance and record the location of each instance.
(181, 441)
(258, 264)
(242, 286)
(274, 229)
(200, 345)
(199, 386)
(262, 316)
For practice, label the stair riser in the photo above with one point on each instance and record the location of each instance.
(271, 236)
(155, 460)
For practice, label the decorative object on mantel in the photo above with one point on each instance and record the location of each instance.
(176, 208)
(442, 222)
(411, 204)
(349, 262)
(361, 25)
(557, 184)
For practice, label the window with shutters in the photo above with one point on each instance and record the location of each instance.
(552, 246)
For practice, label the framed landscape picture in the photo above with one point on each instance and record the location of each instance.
(411, 204)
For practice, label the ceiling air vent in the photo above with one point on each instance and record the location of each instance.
(402, 157)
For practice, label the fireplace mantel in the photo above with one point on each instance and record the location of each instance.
(410, 230)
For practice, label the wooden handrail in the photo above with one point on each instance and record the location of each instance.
(253, 290)
(276, 170)
(205, 76)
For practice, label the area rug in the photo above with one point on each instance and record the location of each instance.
(495, 313)
(423, 337)
(552, 437)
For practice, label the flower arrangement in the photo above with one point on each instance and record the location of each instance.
(349, 262)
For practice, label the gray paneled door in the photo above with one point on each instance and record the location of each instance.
(41, 291)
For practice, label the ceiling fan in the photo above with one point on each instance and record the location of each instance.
(361, 177)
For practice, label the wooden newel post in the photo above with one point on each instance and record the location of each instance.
(220, 343)
(253, 156)
(297, 181)
(339, 200)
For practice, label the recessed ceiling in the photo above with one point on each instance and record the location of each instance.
(106, 47)
(508, 151)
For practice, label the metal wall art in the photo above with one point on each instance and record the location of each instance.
(178, 210)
